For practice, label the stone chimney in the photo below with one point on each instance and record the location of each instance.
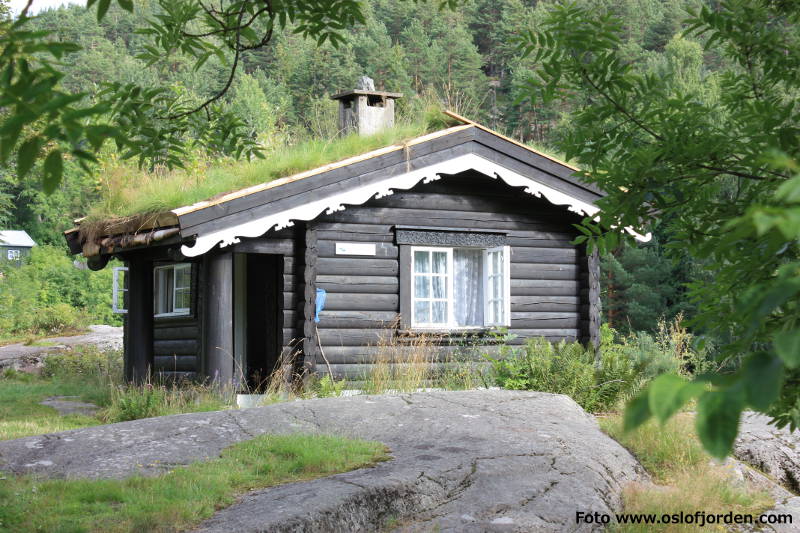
(364, 110)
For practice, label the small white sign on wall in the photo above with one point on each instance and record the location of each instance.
(355, 248)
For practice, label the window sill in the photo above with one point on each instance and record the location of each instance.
(173, 315)
(486, 334)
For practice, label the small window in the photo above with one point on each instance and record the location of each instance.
(13, 255)
(172, 290)
(119, 295)
(459, 287)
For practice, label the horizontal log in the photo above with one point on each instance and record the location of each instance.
(291, 300)
(324, 228)
(522, 335)
(355, 336)
(404, 354)
(327, 248)
(175, 347)
(354, 266)
(359, 284)
(544, 271)
(468, 202)
(358, 372)
(544, 255)
(269, 246)
(340, 301)
(357, 319)
(290, 335)
(539, 287)
(176, 333)
(540, 320)
(544, 303)
(176, 363)
(175, 321)
(450, 219)
(175, 377)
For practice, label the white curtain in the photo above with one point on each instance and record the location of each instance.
(468, 286)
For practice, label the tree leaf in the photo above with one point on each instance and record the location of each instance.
(102, 9)
(26, 156)
(637, 412)
(787, 346)
(669, 392)
(53, 169)
(762, 375)
(717, 419)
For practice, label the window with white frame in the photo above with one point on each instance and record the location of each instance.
(172, 291)
(459, 287)
(13, 255)
(120, 290)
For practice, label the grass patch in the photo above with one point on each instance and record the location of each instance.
(20, 412)
(687, 478)
(128, 191)
(184, 497)
(94, 377)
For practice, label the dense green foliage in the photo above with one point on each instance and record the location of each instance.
(627, 363)
(49, 294)
(464, 59)
(719, 167)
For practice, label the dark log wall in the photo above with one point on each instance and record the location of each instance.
(363, 300)
(177, 340)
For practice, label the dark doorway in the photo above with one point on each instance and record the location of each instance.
(258, 323)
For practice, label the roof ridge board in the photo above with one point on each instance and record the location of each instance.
(493, 141)
(232, 195)
(290, 189)
(509, 139)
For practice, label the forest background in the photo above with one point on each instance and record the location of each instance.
(466, 60)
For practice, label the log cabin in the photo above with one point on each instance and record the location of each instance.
(458, 233)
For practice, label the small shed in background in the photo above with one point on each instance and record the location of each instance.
(15, 245)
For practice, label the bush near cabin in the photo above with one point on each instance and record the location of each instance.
(49, 295)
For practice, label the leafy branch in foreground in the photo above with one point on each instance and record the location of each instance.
(721, 172)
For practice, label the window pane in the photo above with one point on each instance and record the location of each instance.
(439, 312)
(422, 313)
(183, 276)
(439, 290)
(422, 288)
(468, 287)
(422, 262)
(440, 262)
(182, 299)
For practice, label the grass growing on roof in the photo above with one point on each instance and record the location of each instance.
(128, 192)
(183, 497)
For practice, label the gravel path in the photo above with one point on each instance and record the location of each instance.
(20, 355)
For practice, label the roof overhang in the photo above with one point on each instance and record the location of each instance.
(276, 204)
(358, 196)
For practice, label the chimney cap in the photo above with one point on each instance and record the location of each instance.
(359, 92)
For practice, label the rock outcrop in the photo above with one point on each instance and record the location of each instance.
(461, 461)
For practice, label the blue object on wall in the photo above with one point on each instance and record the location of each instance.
(320, 303)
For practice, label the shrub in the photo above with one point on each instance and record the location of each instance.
(86, 363)
(625, 365)
(49, 294)
(563, 368)
(133, 403)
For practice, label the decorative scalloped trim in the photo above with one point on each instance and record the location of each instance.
(405, 181)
